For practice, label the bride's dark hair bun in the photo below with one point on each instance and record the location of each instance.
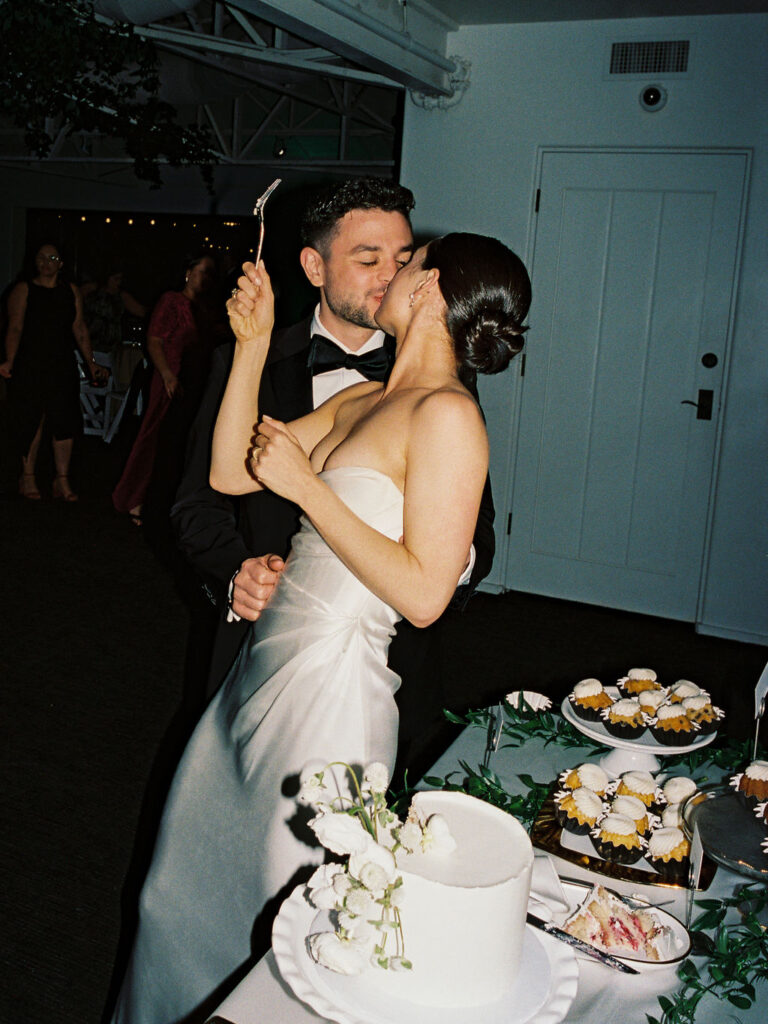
(487, 291)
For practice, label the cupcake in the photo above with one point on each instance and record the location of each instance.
(752, 783)
(637, 680)
(701, 711)
(672, 726)
(588, 699)
(677, 789)
(616, 839)
(684, 688)
(672, 816)
(651, 700)
(668, 851)
(577, 810)
(590, 775)
(636, 810)
(642, 785)
(761, 812)
(625, 719)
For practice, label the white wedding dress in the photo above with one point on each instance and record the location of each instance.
(311, 683)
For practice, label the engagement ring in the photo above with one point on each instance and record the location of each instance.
(234, 292)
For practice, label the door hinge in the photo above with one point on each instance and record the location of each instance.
(509, 524)
(538, 201)
(522, 364)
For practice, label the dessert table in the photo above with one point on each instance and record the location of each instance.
(262, 997)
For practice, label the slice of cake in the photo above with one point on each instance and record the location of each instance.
(606, 921)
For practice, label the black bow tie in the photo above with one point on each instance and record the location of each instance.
(324, 355)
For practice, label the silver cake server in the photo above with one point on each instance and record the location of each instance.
(579, 944)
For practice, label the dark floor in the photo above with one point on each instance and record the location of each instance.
(94, 646)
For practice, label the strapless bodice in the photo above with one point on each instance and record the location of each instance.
(318, 580)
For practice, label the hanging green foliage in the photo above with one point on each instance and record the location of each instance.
(62, 68)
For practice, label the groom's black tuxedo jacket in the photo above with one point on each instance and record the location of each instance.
(216, 533)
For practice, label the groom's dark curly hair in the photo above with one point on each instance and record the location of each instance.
(326, 208)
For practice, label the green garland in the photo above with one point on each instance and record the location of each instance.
(737, 957)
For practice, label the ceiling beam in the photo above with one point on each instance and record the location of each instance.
(405, 44)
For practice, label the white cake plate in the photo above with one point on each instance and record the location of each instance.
(544, 989)
(641, 754)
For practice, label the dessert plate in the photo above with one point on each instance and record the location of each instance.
(640, 754)
(544, 990)
(680, 943)
(730, 832)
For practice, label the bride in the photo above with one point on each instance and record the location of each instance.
(389, 478)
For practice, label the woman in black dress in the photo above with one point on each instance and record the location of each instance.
(45, 319)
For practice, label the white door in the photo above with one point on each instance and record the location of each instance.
(633, 277)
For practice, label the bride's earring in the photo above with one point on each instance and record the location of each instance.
(412, 297)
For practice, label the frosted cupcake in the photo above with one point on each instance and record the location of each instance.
(651, 700)
(636, 810)
(642, 785)
(673, 727)
(590, 775)
(761, 812)
(672, 816)
(577, 810)
(752, 783)
(588, 699)
(637, 680)
(677, 789)
(668, 851)
(625, 719)
(684, 688)
(616, 839)
(701, 711)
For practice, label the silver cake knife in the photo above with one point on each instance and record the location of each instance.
(580, 944)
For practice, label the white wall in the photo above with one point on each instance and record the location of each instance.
(472, 168)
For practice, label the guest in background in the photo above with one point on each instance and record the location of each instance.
(176, 337)
(45, 321)
(104, 309)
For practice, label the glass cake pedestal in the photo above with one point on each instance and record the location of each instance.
(641, 754)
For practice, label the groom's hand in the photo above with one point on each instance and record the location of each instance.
(254, 585)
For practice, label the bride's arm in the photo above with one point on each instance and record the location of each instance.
(251, 316)
(446, 467)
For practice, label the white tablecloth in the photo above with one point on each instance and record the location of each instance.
(603, 994)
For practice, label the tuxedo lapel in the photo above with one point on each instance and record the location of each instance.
(287, 387)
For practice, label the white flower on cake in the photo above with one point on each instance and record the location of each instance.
(374, 868)
(322, 885)
(338, 954)
(535, 701)
(376, 778)
(437, 836)
(340, 833)
(364, 895)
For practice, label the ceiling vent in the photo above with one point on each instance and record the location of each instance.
(650, 58)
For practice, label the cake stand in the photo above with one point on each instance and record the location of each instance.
(641, 754)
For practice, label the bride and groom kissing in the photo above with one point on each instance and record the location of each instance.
(389, 475)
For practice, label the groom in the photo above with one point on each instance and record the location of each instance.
(355, 237)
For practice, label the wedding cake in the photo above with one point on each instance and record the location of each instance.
(463, 912)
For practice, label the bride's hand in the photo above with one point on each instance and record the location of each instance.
(251, 308)
(278, 461)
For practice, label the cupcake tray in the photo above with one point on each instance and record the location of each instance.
(549, 836)
(641, 754)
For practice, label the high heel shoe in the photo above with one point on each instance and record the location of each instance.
(62, 492)
(28, 490)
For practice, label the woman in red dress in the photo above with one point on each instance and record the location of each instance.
(173, 337)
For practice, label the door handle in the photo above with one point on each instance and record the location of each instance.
(704, 404)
